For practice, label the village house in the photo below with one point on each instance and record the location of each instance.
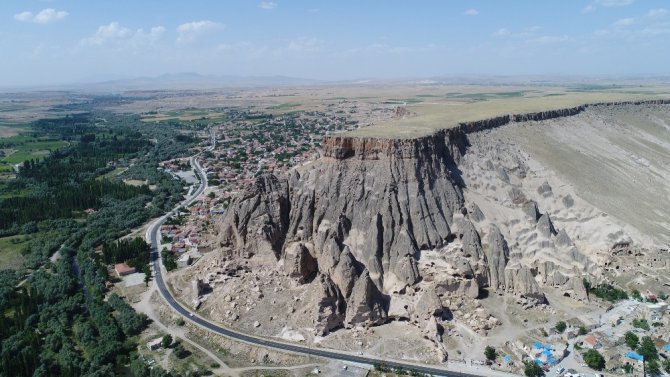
(122, 269)
(591, 342)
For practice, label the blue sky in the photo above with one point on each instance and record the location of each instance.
(61, 41)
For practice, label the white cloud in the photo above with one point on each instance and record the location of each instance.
(657, 12)
(548, 39)
(605, 3)
(267, 5)
(45, 16)
(471, 12)
(614, 3)
(116, 34)
(588, 9)
(501, 32)
(304, 44)
(624, 22)
(190, 31)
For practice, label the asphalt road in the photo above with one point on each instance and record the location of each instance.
(152, 236)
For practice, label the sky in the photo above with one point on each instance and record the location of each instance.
(44, 42)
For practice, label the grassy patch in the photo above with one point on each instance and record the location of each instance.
(10, 251)
(284, 106)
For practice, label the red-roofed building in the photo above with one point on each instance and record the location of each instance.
(123, 269)
(591, 341)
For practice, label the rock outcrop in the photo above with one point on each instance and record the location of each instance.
(545, 227)
(366, 304)
(355, 223)
(299, 263)
(497, 257)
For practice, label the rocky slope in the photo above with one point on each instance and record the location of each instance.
(382, 228)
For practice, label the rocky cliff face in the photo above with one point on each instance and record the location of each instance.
(356, 222)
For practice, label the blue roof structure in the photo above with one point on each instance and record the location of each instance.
(635, 356)
(539, 362)
(666, 347)
(537, 345)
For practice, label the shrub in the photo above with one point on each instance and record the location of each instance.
(167, 341)
(561, 326)
(490, 353)
(594, 359)
(631, 340)
(531, 369)
(641, 324)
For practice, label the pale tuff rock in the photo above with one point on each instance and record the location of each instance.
(545, 189)
(568, 201)
(299, 263)
(329, 305)
(429, 305)
(517, 196)
(578, 291)
(531, 211)
(521, 281)
(475, 213)
(545, 227)
(497, 257)
(562, 239)
(366, 304)
(472, 244)
(346, 273)
(502, 174)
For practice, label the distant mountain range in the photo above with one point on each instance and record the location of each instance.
(179, 81)
(196, 81)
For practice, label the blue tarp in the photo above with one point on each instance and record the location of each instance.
(635, 356)
(666, 347)
(539, 362)
(548, 347)
(537, 345)
(546, 352)
(507, 358)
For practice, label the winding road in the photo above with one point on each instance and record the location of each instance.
(152, 236)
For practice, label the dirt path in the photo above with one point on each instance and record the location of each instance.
(144, 306)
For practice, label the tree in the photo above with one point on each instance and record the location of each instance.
(594, 359)
(666, 365)
(647, 349)
(169, 260)
(636, 295)
(147, 277)
(652, 368)
(631, 340)
(180, 351)
(561, 326)
(490, 353)
(641, 323)
(167, 341)
(582, 330)
(531, 369)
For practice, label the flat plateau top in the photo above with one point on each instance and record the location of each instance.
(428, 113)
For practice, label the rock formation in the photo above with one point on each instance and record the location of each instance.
(356, 223)
(497, 257)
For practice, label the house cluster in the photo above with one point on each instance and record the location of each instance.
(547, 354)
(250, 144)
(184, 242)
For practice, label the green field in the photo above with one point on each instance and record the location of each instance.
(284, 106)
(25, 148)
(10, 251)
